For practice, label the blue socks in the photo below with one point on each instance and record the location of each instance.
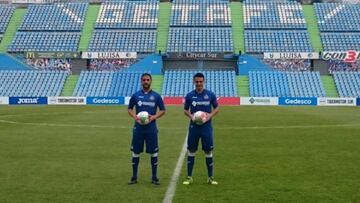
(190, 165)
(154, 163)
(209, 165)
(135, 164)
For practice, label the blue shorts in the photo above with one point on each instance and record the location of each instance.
(138, 140)
(206, 135)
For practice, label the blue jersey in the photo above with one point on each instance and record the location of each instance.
(204, 101)
(149, 102)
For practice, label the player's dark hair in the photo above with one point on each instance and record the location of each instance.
(146, 74)
(199, 75)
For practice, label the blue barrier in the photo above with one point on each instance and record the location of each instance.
(301, 101)
(27, 100)
(105, 100)
(358, 101)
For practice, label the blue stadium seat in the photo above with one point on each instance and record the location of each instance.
(45, 41)
(107, 83)
(177, 83)
(273, 15)
(32, 83)
(134, 15)
(347, 83)
(343, 41)
(258, 41)
(200, 40)
(205, 28)
(200, 13)
(335, 17)
(143, 41)
(5, 15)
(55, 17)
(285, 84)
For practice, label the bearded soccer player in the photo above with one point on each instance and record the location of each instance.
(149, 101)
(204, 100)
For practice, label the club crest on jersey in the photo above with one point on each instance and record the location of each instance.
(152, 98)
(206, 96)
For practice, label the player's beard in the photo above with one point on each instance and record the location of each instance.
(146, 86)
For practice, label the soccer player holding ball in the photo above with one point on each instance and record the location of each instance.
(200, 106)
(147, 103)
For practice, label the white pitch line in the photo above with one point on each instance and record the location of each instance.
(220, 128)
(170, 192)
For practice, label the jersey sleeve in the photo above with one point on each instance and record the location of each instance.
(160, 103)
(214, 101)
(132, 102)
(187, 102)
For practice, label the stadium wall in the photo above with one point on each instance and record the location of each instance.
(224, 101)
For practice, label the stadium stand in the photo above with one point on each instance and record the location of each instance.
(58, 17)
(334, 17)
(5, 15)
(277, 26)
(178, 83)
(200, 26)
(134, 14)
(110, 64)
(277, 41)
(143, 41)
(288, 84)
(340, 41)
(200, 13)
(107, 83)
(32, 83)
(270, 15)
(339, 25)
(54, 27)
(200, 40)
(126, 26)
(347, 83)
(45, 41)
(50, 64)
(343, 66)
(289, 65)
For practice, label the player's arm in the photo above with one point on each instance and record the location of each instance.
(161, 112)
(131, 111)
(213, 112)
(187, 108)
(215, 106)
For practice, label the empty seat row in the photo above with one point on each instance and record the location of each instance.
(107, 83)
(285, 84)
(200, 40)
(347, 83)
(257, 41)
(178, 83)
(32, 83)
(5, 15)
(45, 41)
(55, 17)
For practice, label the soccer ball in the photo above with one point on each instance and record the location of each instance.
(143, 117)
(199, 117)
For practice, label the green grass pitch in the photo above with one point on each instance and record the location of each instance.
(262, 154)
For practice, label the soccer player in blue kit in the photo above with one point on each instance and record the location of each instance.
(204, 100)
(149, 101)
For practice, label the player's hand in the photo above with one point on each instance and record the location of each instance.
(208, 117)
(137, 119)
(152, 118)
(192, 118)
